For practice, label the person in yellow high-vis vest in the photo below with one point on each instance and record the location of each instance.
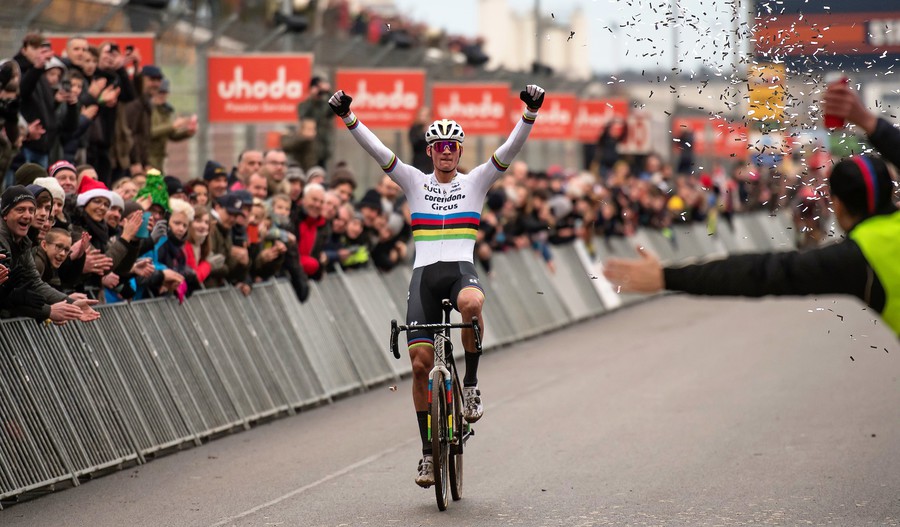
(865, 264)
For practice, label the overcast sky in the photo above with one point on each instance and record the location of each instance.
(647, 38)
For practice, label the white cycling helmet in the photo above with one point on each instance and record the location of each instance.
(444, 130)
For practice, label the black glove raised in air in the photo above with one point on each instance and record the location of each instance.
(340, 103)
(533, 96)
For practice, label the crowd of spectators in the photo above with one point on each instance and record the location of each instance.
(385, 25)
(84, 137)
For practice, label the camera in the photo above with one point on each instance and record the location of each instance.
(129, 50)
(66, 85)
(5, 261)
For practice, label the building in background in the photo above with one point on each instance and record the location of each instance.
(563, 44)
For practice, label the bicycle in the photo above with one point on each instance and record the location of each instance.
(447, 428)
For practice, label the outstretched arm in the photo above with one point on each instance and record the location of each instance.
(393, 167)
(533, 97)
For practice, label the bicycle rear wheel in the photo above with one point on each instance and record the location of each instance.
(440, 449)
(456, 455)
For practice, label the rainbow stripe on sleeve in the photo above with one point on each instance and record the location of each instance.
(528, 120)
(352, 124)
(390, 166)
(499, 165)
(434, 227)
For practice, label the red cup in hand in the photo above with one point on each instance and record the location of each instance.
(833, 122)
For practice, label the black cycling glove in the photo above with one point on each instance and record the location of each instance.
(533, 96)
(340, 103)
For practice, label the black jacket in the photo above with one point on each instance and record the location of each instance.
(37, 102)
(840, 268)
(24, 276)
(886, 139)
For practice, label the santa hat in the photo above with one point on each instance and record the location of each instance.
(90, 189)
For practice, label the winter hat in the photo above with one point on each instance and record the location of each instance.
(54, 62)
(496, 200)
(295, 173)
(90, 189)
(130, 208)
(116, 201)
(371, 199)
(173, 185)
(61, 165)
(37, 190)
(212, 170)
(53, 186)
(315, 171)
(152, 72)
(864, 186)
(12, 196)
(27, 173)
(155, 187)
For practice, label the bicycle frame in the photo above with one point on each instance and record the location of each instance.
(448, 438)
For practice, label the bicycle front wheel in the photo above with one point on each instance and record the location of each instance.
(440, 448)
(459, 433)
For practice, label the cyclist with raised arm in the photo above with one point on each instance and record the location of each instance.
(446, 209)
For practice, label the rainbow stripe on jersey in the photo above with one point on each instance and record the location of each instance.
(435, 227)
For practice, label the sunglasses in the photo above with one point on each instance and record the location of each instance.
(439, 146)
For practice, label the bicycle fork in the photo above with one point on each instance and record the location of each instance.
(448, 389)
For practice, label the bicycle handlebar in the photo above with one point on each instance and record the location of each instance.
(394, 332)
(477, 330)
(396, 329)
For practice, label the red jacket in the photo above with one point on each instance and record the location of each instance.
(202, 269)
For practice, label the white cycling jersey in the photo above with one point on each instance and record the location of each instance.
(445, 216)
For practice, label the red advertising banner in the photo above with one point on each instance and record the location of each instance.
(713, 137)
(799, 34)
(697, 128)
(257, 88)
(383, 98)
(730, 139)
(556, 119)
(593, 114)
(639, 135)
(479, 108)
(143, 43)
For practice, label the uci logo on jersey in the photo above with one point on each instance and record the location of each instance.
(473, 280)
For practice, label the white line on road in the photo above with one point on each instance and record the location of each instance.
(314, 484)
(364, 462)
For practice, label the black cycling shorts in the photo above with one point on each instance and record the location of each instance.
(428, 287)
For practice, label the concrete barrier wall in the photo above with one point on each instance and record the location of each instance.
(152, 375)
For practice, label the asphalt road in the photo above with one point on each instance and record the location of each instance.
(678, 411)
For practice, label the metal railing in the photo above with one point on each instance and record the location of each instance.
(151, 375)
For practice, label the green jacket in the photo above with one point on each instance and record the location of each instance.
(161, 132)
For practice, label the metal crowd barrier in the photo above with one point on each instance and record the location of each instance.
(152, 375)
